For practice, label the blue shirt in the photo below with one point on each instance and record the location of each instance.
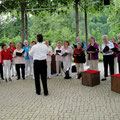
(26, 51)
(84, 45)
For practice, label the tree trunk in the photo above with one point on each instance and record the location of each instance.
(26, 27)
(77, 19)
(86, 29)
(22, 21)
(86, 34)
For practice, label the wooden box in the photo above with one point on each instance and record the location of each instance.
(115, 83)
(91, 78)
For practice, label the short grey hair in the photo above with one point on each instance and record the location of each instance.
(77, 37)
(25, 41)
(105, 36)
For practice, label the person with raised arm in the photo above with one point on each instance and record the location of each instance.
(39, 53)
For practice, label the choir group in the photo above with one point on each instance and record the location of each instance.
(17, 61)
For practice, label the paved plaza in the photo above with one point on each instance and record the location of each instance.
(67, 100)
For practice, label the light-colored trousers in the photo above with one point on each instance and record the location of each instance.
(13, 72)
(28, 68)
(115, 65)
(58, 67)
(67, 66)
(6, 69)
(93, 64)
(79, 67)
(49, 69)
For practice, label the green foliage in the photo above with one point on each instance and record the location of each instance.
(61, 26)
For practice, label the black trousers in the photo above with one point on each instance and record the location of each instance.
(22, 67)
(1, 70)
(119, 66)
(40, 69)
(108, 60)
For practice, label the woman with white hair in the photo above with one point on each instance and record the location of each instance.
(108, 56)
(19, 60)
(58, 57)
(49, 59)
(27, 58)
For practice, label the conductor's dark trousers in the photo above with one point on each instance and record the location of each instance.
(40, 70)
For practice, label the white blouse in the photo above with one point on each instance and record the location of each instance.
(110, 45)
(17, 59)
(68, 57)
(58, 57)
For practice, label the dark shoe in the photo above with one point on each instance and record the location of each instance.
(79, 75)
(23, 78)
(38, 93)
(10, 79)
(45, 94)
(2, 78)
(6, 80)
(104, 79)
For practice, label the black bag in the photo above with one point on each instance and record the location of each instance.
(74, 69)
(67, 76)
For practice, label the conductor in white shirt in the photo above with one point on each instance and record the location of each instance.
(39, 53)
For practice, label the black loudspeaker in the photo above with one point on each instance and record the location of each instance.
(106, 2)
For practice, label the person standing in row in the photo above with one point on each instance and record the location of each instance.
(27, 59)
(67, 57)
(31, 58)
(6, 60)
(115, 55)
(93, 54)
(49, 59)
(39, 53)
(11, 49)
(58, 58)
(19, 60)
(78, 59)
(79, 41)
(108, 56)
(1, 67)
